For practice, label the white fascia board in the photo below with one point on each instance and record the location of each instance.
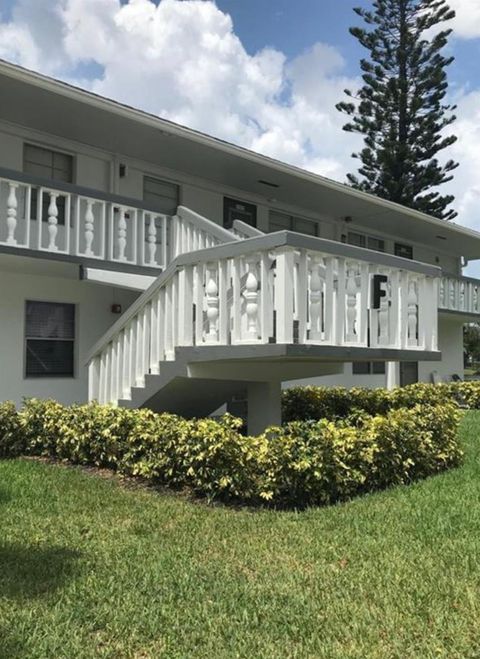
(126, 280)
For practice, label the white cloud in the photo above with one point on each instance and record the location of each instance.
(466, 24)
(182, 60)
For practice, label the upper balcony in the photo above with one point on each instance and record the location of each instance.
(92, 227)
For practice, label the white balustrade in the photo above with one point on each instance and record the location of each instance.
(63, 222)
(460, 294)
(269, 295)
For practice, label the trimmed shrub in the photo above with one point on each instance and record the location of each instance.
(307, 403)
(11, 440)
(302, 463)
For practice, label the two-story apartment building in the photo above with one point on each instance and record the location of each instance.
(257, 272)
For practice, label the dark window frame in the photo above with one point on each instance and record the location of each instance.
(229, 204)
(403, 250)
(368, 368)
(292, 221)
(29, 337)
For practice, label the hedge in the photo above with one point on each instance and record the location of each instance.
(311, 402)
(302, 463)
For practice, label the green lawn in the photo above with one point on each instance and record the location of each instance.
(89, 568)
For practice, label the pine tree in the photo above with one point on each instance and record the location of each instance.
(400, 108)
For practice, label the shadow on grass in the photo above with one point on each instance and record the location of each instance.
(33, 571)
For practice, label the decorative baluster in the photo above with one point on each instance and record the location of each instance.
(383, 334)
(89, 220)
(351, 288)
(251, 296)
(452, 294)
(53, 222)
(122, 234)
(316, 311)
(211, 291)
(412, 313)
(152, 240)
(12, 206)
(441, 292)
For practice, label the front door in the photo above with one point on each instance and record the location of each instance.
(408, 373)
(238, 210)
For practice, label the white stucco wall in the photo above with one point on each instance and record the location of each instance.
(98, 169)
(93, 317)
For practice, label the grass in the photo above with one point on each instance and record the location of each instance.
(89, 568)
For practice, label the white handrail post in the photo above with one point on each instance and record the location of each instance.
(284, 295)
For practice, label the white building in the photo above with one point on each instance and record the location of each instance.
(99, 201)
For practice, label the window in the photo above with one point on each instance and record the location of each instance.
(238, 210)
(368, 368)
(405, 251)
(49, 339)
(283, 222)
(363, 240)
(51, 165)
(164, 196)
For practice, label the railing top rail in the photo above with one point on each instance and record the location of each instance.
(41, 182)
(300, 241)
(267, 243)
(224, 235)
(247, 229)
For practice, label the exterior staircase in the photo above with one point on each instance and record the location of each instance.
(241, 311)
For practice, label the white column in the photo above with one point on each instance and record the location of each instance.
(392, 375)
(12, 205)
(122, 234)
(251, 297)
(152, 240)
(89, 220)
(264, 406)
(53, 222)
(211, 291)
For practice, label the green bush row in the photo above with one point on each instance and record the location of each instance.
(303, 463)
(307, 403)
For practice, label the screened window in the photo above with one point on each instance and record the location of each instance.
(49, 339)
(284, 222)
(405, 251)
(363, 240)
(368, 368)
(51, 165)
(162, 195)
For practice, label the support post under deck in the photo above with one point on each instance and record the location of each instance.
(264, 406)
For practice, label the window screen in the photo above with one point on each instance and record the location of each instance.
(361, 368)
(362, 240)
(405, 251)
(284, 222)
(162, 195)
(49, 339)
(368, 368)
(51, 165)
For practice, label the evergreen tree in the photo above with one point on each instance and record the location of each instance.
(401, 109)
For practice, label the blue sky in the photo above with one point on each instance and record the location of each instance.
(265, 74)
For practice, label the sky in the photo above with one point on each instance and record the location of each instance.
(264, 74)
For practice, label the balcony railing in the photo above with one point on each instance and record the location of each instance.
(460, 294)
(67, 220)
(280, 288)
